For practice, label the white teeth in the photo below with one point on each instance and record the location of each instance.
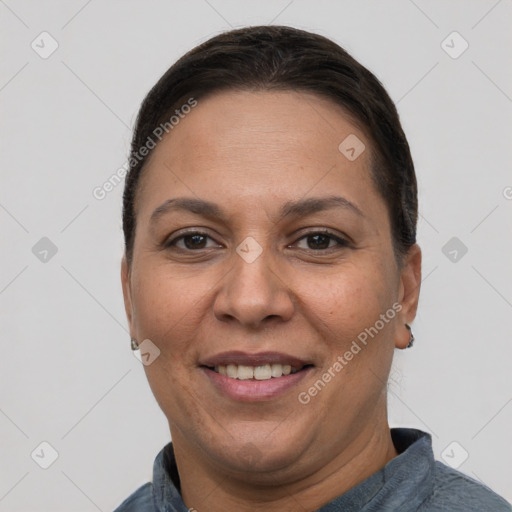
(232, 370)
(277, 370)
(261, 372)
(245, 372)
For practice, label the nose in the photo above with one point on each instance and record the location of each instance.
(253, 294)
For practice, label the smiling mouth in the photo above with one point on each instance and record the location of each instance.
(260, 372)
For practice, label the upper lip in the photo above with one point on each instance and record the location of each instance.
(257, 359)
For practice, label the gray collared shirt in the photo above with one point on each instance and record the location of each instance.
(412, 481)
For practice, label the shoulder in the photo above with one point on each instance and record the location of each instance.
(140, 501)
(455, 491)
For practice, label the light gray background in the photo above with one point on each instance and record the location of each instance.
(67, 374)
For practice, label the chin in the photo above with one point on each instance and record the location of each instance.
(260, 456)
(249, 463)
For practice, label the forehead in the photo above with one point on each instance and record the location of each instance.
(247, 143)
(242, 120)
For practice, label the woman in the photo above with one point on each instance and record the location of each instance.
(271, 269)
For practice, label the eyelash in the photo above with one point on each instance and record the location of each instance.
(342, 243)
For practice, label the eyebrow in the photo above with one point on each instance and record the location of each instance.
(299, 208)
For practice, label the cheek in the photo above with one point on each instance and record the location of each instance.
(165, 302)
(346, 311)
(344, 302)
(169, 309)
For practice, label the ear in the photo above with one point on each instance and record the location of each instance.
(127, 294)
(408, 294)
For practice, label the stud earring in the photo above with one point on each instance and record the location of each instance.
(411, 337)
(134, 344)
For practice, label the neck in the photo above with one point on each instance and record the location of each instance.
(206, 487)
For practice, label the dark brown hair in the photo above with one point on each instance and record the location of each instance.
(282, 58)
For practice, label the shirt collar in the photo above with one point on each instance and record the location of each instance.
(406, 479)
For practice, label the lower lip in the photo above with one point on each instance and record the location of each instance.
(252, 390)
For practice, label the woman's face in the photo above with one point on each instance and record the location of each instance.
(261, 245)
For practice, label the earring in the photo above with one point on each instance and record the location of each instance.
(411, 338)
(134, 344)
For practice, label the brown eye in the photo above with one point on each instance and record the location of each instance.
(192, 241)
(195, 241)
(321, 241)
